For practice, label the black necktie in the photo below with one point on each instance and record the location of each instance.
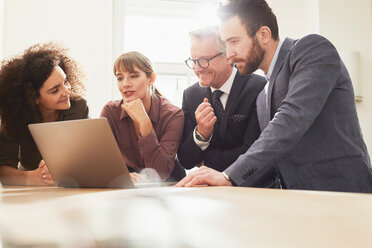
(218, 108)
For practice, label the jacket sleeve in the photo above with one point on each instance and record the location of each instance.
(189, 153)
(315, 66)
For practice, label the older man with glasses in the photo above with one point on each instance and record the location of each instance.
(220, 110)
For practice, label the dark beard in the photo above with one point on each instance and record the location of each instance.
(254, 59)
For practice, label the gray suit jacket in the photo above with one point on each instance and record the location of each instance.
(310, 129)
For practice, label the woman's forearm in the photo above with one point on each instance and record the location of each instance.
(12, 176)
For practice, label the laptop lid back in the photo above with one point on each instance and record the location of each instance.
(81, 153)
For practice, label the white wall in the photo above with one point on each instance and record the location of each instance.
(1, 28)
(84, 26)
(296, 18)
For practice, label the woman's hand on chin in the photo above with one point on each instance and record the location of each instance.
(137, 113)
(135, 110)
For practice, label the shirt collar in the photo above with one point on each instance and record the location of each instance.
(154, 108)
(273, 61)
(226, 87)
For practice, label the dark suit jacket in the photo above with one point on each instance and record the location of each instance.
(311, 131)
(236, 132)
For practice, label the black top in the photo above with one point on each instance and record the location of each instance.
(24, 150)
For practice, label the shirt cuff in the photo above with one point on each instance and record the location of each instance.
(202, 145)
(227, 176)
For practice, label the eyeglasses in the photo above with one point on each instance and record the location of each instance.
(203, 63)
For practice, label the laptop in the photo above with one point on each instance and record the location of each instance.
(81, 153)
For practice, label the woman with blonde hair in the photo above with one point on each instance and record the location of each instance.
(146, 126)
(43, 84)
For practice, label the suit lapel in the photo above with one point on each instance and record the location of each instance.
(262, 112)
(208, 94)
(236, 88)
(205, 92)
(287, 45)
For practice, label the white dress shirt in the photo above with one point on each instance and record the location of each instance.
(225, 88)
(271, 68)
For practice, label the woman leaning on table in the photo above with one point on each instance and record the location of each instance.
(146, 126)
(44, 84)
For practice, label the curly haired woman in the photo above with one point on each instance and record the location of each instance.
(44, 84)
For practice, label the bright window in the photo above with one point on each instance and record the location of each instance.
(160, 30)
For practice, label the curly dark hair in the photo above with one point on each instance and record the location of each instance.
(22, 77)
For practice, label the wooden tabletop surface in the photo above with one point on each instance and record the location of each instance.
(183, 217)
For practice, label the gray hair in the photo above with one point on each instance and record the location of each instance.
(206, 32)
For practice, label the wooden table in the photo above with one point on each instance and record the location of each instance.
(183, 217)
